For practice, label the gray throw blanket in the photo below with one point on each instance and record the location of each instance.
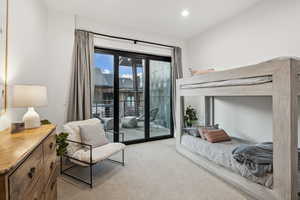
(257, 158)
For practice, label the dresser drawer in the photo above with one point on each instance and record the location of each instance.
(49, 146)
(37, 191)
(51, 189)
(23, 180)
(49, 156)
(50, 166)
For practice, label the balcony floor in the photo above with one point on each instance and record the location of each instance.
(138, 133)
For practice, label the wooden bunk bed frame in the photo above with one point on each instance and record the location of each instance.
(284, 90)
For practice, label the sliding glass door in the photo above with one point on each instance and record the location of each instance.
(103, 100)
(132, 94)
(160, 98)
(131, 97)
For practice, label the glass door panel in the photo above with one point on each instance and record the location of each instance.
(132, 94)
(103, 99)
(131, 97)
(160, 98)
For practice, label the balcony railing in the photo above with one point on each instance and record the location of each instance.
(104, 109)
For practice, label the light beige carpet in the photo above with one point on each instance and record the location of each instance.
(153, 171)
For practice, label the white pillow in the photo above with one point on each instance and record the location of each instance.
(93, 134)
(72, 128)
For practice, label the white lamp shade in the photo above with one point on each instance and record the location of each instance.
(29, 96)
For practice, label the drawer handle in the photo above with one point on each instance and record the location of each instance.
(31, 172)
(52, 165)
(51, 145)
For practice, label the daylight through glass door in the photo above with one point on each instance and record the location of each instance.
(131, 97)
(132, 94)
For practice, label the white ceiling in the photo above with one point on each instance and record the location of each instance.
(156, 16)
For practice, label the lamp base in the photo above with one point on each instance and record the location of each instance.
(31, 119)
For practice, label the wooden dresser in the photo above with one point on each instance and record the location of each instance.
(28, 164)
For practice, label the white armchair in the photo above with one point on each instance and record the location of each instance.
(86, 155)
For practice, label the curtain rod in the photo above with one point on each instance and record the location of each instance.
(128, 39)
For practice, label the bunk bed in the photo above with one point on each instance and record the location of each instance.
(278, 78)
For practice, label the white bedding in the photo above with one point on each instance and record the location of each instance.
(233, 82)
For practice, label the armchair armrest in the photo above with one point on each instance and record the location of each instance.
(90, 147)
(114, 132)
(83, 144)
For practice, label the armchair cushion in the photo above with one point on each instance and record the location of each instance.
(93, 134)
(98, 153)
(74, 135)
(72, 128)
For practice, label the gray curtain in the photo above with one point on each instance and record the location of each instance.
(80, 95)
(177, 73)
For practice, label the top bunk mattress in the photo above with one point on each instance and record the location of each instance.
(227, 83)
(221, 154)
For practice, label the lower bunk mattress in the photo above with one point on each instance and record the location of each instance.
(221, 154)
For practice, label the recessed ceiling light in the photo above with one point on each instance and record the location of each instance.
(185, 13)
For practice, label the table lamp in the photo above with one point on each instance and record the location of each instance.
(30, 96)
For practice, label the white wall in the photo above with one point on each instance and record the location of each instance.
(60, 39)
(26, 55)
(268, 30)
(89, 24)
(124, 45)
